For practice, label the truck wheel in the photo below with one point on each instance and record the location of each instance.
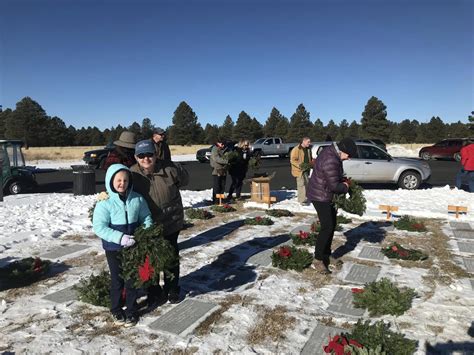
(457, 156)
(409, 180)
(15, 188)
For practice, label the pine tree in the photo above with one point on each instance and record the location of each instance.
(28, 122)
(374, 123)
(135, 128)
(58, 133)
(471, 120)
(185, 128)
(257, 130)
(146, 131)
(282, 127)
(243, 127)
(300, 125)
(407, 131)
(3, 119)
(435, 130)
(353, 130)
(343, 130)
(226, 131)
(332, 130)
(421, 134)
(272, 122)
(318, 132)
(211, 133)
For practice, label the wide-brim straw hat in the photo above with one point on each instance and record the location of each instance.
(127, 140)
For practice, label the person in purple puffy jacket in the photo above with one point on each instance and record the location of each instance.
(328, 179)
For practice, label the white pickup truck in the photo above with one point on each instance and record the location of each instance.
(272, 146)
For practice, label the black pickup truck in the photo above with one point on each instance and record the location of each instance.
(97, 157)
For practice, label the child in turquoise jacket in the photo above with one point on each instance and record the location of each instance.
(114, 221)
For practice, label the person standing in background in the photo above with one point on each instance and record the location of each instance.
(467, 162)
(162, 149)
(218, 163)
(300, 156)
(123, 152)
(238, 168)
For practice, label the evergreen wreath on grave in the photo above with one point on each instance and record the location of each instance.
(225, 208)
(383, 297)
(355, 203)
(151, 254)
(340, 345)
(396, 251)
(24, 272)
(290, 257)
(279, 213)
(304, 238)
(258, 221)
(410, 224)
(378, 334)
(95, 290)
(198, 213)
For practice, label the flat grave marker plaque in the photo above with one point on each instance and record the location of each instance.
(460, 225)
(60, 252)
(342, 303)
(66, 295)
(319, 338)
(466, 247)
(371, 253)
(463, 234)
(469, 264)
(362, 274)
(183, 318)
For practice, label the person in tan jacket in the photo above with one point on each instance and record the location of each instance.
(300, 157)
(159, 181)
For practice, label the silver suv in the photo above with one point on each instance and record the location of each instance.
(374, 165)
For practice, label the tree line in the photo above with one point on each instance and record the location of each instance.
(29, 121)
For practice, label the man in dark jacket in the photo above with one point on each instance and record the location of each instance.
(327, 180)
(162, 148)
(218, 163)
(159, 181)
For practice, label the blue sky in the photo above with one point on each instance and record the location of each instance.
(105, 63)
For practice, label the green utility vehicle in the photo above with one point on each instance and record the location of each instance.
(15, 176)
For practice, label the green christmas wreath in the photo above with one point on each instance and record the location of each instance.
(24, 272)
(290, 257)
(258, 221)
(198, 213)
(226, 208)
(410, 224)
(383, 297)
(304, 238)
(143, 262)
(95, 290)
(356, 203)
(396, 251)
(279, 213)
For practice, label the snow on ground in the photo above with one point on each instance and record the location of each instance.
(37, 223)
(396, 150)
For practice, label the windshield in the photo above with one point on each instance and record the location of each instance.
(15, 155)
(259, 141)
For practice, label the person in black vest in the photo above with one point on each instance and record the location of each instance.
(238, 168)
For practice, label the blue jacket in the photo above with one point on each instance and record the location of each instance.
(113, 217)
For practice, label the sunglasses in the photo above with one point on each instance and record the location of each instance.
(145, 155)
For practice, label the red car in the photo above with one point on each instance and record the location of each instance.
(447, 148)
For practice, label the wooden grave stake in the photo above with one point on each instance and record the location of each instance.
(269, 200)
(220, 197)
(388, 209)
(457, 209)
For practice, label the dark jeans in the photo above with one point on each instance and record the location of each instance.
(470, 178)
(117, 286)
(237, 182)
(218, 187)
(171, 284)
(327, 217)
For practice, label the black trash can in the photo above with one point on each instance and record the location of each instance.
(83, 180)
